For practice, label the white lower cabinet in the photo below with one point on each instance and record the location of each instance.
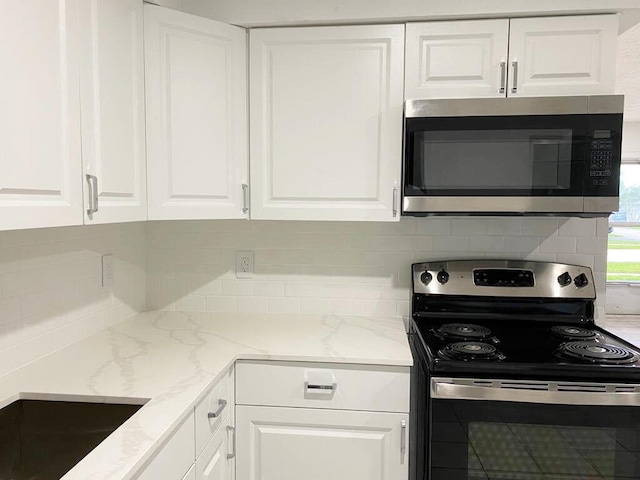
(314, 444)
(321, 421)
(217, 460)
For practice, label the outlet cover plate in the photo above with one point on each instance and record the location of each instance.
(244, 264)
(107, 270)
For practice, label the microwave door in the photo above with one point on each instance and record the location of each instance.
(495, 164)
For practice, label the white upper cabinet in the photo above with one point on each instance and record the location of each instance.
(40, 157)
(456, 59)
(563, 55)
(326, 122)
(112, 102)
(518, 57)
(196, 97)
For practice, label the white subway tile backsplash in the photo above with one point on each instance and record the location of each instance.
(341, 267)
(578, 227)
(50, 285)
(593, 245)
(469, 226)
(523, 244)
(557, 244)
(505, 226)
(544, 227)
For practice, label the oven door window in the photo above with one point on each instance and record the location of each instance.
(483, 440)
(510, 156)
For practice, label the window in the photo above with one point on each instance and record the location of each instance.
(624, 229)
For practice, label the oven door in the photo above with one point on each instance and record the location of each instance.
(516, 430)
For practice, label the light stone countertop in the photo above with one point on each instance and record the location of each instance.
(171, 358)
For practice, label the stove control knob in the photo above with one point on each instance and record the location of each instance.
(564, 279)
(426, 277)
(581, 281)
(443, 276)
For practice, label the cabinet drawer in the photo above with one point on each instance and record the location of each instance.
(219, 400)
(341, 387)
(218, 457)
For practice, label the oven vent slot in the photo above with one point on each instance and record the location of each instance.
(483, 383)
(625, 389)
(524, 386)
(582, 388)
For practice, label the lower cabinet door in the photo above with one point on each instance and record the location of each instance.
(300, 443)
(217, 459)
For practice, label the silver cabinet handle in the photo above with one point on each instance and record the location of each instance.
(503, 77)
(403, 437)
(221, 405)
(395, 201)
(232, 430)
(92, 180)
(514, 89)
(245, 198)
(318, 388)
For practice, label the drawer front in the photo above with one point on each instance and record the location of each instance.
(220, 402)
(334, 386)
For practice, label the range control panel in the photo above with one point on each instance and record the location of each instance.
(600, 165)
(503, 278)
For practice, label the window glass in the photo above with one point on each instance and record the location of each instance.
(624, 229)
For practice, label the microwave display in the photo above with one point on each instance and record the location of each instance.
(492, 159)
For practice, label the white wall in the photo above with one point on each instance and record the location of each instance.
(50, 286)
(251, 13)
(344, 268)
(631, 139)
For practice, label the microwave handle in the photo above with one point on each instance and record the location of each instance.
(514, 64)
(535, 393)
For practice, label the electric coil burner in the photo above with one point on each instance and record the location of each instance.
(513, 379)
(594, 352)
(463, 331)
(471, 351)
(571, 332)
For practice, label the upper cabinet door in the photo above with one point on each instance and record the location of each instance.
(196, 91)
(40, 160)
(563, 55)
(326, 122)
(112, 100)
(456, 59)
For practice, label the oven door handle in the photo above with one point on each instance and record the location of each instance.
(537, 392)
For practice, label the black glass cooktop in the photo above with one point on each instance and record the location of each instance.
(532, 348)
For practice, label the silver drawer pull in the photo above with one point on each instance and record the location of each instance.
(318, 388)
(232, 430)
(221, 405)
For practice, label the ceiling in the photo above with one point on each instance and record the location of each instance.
(628, 72)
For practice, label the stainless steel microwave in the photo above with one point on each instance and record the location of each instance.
(512, 156)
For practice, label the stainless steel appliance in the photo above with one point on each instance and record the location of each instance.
(533, 156)
(512, 379)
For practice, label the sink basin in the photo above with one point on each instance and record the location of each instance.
(43, 440)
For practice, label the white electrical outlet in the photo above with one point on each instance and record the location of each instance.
(107, 270)
(244, 264)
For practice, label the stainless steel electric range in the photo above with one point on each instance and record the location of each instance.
(512, 379)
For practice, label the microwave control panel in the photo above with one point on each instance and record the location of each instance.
(601, 157)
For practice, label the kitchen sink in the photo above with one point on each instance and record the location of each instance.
(43, 440)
